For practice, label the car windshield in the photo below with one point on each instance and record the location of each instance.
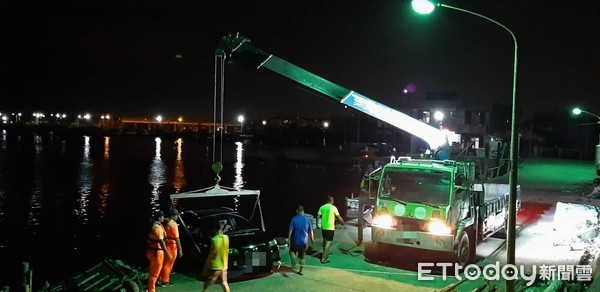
(234, 223)
(416, 186)
(199, 228)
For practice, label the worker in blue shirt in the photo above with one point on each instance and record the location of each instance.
(299, 233)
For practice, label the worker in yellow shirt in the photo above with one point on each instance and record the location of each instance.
(215, 267)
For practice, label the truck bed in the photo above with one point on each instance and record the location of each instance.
(496, 196)
(496, 200)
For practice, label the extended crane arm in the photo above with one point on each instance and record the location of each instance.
(236, 46)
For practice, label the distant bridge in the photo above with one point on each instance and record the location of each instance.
(170, 126)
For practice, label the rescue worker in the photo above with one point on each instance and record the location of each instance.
(215, 267)
(328, 213)
(173, 246)
(299, 233)
(157, 250)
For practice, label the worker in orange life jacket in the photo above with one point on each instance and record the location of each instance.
(156, 250)
(173, 245)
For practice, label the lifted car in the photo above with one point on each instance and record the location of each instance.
(251, 250)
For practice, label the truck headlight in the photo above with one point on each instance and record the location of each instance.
(383, 221)
(438, 227)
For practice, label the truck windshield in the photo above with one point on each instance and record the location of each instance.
(416, 186)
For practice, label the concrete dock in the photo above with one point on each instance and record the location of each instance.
(543, 184)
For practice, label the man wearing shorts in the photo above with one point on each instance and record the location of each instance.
(215, 267)
(299, 234)
(327, 214)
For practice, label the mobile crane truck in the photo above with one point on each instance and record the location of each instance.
(419, 204)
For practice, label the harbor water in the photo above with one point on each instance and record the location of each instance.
(69, 201)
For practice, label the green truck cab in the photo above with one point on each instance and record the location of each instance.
(436, 205)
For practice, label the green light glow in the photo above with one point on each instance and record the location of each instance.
(422, 6)
(576, 111)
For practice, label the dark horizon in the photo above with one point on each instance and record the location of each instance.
(130, 58)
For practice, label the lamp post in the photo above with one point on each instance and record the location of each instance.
(159, 119)
(439, 116)
(425, 7)
(325, 126)
(577, 111)
(241, 120)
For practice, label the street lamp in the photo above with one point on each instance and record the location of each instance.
(439, 116)
(577, 111)
(38, 116)
(426, 7)
(241, 120)
(325, 126)
(159, 119)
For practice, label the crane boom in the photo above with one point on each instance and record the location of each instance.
(237, 46)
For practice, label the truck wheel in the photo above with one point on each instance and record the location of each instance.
(465, 250)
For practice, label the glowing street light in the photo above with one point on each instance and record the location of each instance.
(426, 7)
(577, 111)
(105, 117)
(38, 116)
(439, 116)
(241, 120)
(17, 117)
(325, 126)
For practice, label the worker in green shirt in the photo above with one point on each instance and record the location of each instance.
(328, 213)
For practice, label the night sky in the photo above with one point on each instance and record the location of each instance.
(133, 58)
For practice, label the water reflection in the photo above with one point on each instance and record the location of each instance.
(3, 141)
(105, 187)
(239, 166)
(35, 202)
(157, 174)
(2, 177)
(179, 180)
(86, 176)
(106, 147)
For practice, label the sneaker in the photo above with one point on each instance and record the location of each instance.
(168, 284)
(159, 284)
(300, 273)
